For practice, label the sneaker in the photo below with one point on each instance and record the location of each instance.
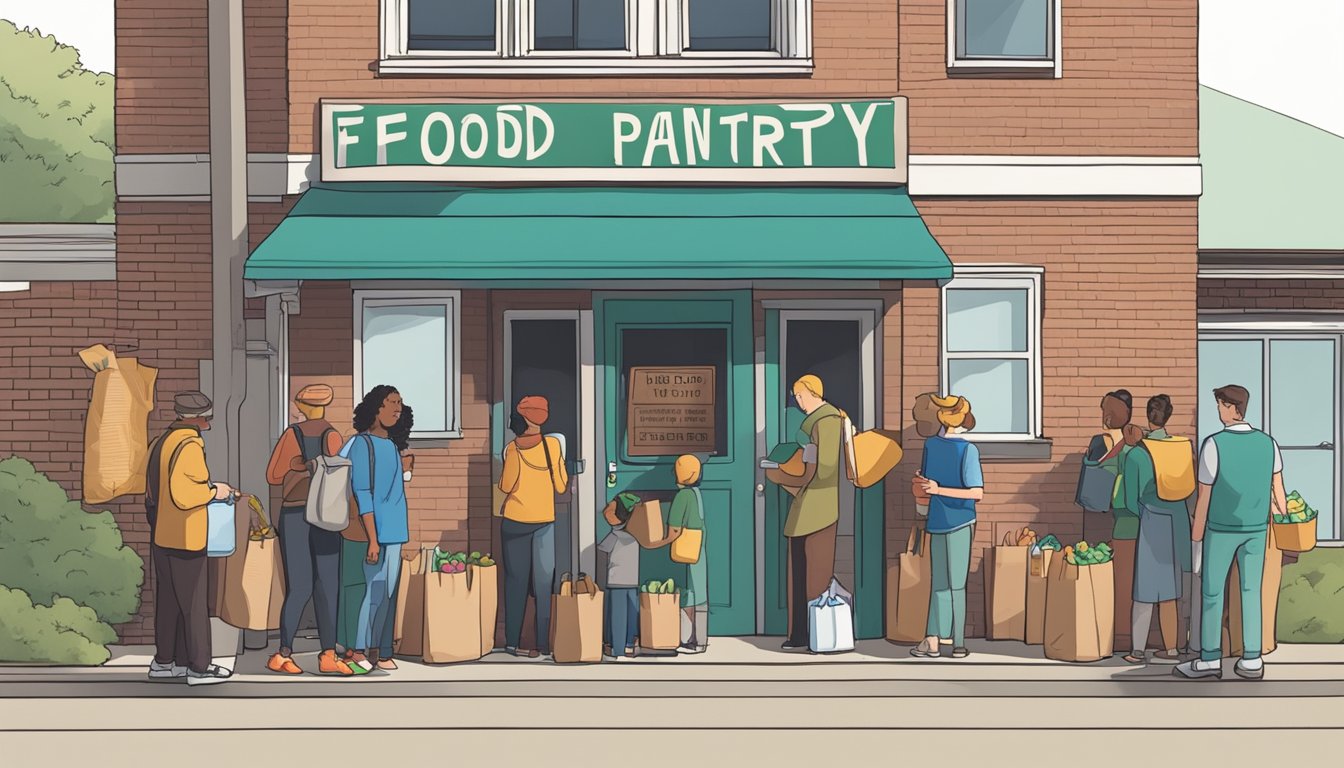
(329, 664)
(691, 648)
(159, 671)
(1199, 670)
(212, 674)
(284, 665)
(1250, 669)
(790, 645)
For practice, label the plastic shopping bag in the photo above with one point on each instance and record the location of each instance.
(831, 621)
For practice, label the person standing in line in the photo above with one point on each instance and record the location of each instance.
(178, 488)
(953, 482)
(533, 475)
(1240, 483)
(1119, 437)
(1162, 555)
(688, 514)
(621, 552)
(311, 556)
(378, 479)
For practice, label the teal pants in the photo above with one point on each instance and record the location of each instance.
(950, 562)
(1220, 550)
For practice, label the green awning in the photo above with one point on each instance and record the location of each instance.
(563, 234)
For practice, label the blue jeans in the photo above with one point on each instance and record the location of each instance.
(622, 618)
(529, 568)
(375, 611)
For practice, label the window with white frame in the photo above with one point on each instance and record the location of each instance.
(598, 36)
(991, 349)
(1003, 34)
(410, 341)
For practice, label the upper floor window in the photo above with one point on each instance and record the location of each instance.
(618, 37)
(1004, 35)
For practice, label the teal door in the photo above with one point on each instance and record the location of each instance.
(678, 378)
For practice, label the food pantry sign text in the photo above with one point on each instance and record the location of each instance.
(851, 141)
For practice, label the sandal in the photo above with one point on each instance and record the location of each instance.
(960, 652)
(1130, 658)
(923, 651)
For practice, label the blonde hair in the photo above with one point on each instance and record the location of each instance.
(311, 411)
(810, 383)
(687, 469)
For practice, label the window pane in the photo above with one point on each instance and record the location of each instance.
(999, 392)
(580, 25)
(406, 347)
(730, 25)
(1228, 361)
(1014, 29)
(1303, 380)
(987, 320)
(451, 25)
(1312, 474)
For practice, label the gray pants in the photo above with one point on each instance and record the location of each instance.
(311, 558)
(529, 567)
(695, 626)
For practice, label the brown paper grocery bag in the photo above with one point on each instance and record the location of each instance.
(485, 580)
(1038, 576)
(408, 628)
(116, 430)
(646, 523)
(908, 588)
(660, 621)
(1005, 569)
(1271, 582)
(254, 587)
(452, 619)
(576, 622)
(1079, 611)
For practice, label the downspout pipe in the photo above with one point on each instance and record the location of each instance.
(228, 224)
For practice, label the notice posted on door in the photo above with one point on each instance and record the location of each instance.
(671, 411)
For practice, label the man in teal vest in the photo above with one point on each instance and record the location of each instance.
(1240, 476)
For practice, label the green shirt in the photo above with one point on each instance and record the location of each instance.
(685, 512)
(1141, 488)
(1240, 499)
(818, 505)
(1126, 522)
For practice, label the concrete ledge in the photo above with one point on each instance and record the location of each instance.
(57, 252)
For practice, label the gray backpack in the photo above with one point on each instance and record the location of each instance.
(329, 493)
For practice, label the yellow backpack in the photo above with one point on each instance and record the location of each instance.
(1173, 467)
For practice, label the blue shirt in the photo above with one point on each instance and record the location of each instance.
(387, 498)
(951, 462)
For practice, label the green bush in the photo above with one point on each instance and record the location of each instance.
(56, 132)
(1311, 602)
(50, 547)
(63, 633)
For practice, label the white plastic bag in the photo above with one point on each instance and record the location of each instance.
(831, 621)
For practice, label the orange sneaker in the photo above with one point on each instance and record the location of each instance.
(284, 665)
(328, 664)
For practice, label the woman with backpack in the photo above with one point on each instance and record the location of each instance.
(310, 556)
(1113, 445)
(533, 475)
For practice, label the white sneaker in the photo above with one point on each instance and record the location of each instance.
(212, 674)
(1250, 669)
(160, 672)
(1199, 669)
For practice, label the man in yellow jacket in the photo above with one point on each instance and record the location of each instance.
(178, 488)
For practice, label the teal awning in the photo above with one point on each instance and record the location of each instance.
(562, 234)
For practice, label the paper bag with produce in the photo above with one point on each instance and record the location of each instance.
(116, 431)
(1080, 605)
(659, 616)
(576, 621)
(485, 580)
(646, 523)
(1270, 583)
(908, 586)
(1038, 576)
(408, 627)
(452, 618)
(1005, 569)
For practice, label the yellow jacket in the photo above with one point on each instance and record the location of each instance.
(529, 489)
(184, 490)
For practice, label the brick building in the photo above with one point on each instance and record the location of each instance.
(274, 230)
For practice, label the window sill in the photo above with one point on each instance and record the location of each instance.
(609, 67)
(1014, 451)
(435, 439)
(1006, 68)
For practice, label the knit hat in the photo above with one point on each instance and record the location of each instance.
(193, 405)
(317, 395)
(535, 409)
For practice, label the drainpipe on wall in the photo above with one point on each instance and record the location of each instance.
(228, 231)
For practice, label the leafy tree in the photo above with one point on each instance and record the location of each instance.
(56, 132)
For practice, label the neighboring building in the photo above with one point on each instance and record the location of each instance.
(1048, 163)
(1271, 286)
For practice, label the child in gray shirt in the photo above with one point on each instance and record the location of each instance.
(622, 576)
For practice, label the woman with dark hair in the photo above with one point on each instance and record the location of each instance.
(378, 476)
(1163, 553)
(1113, 445)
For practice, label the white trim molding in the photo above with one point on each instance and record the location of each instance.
(185, 177)
(57, 252)
(1053, 176)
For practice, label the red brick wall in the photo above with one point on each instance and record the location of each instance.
(1129, 86)
(1268, 295)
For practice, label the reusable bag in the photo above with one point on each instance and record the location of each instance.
(221, 537)
(831, 621)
